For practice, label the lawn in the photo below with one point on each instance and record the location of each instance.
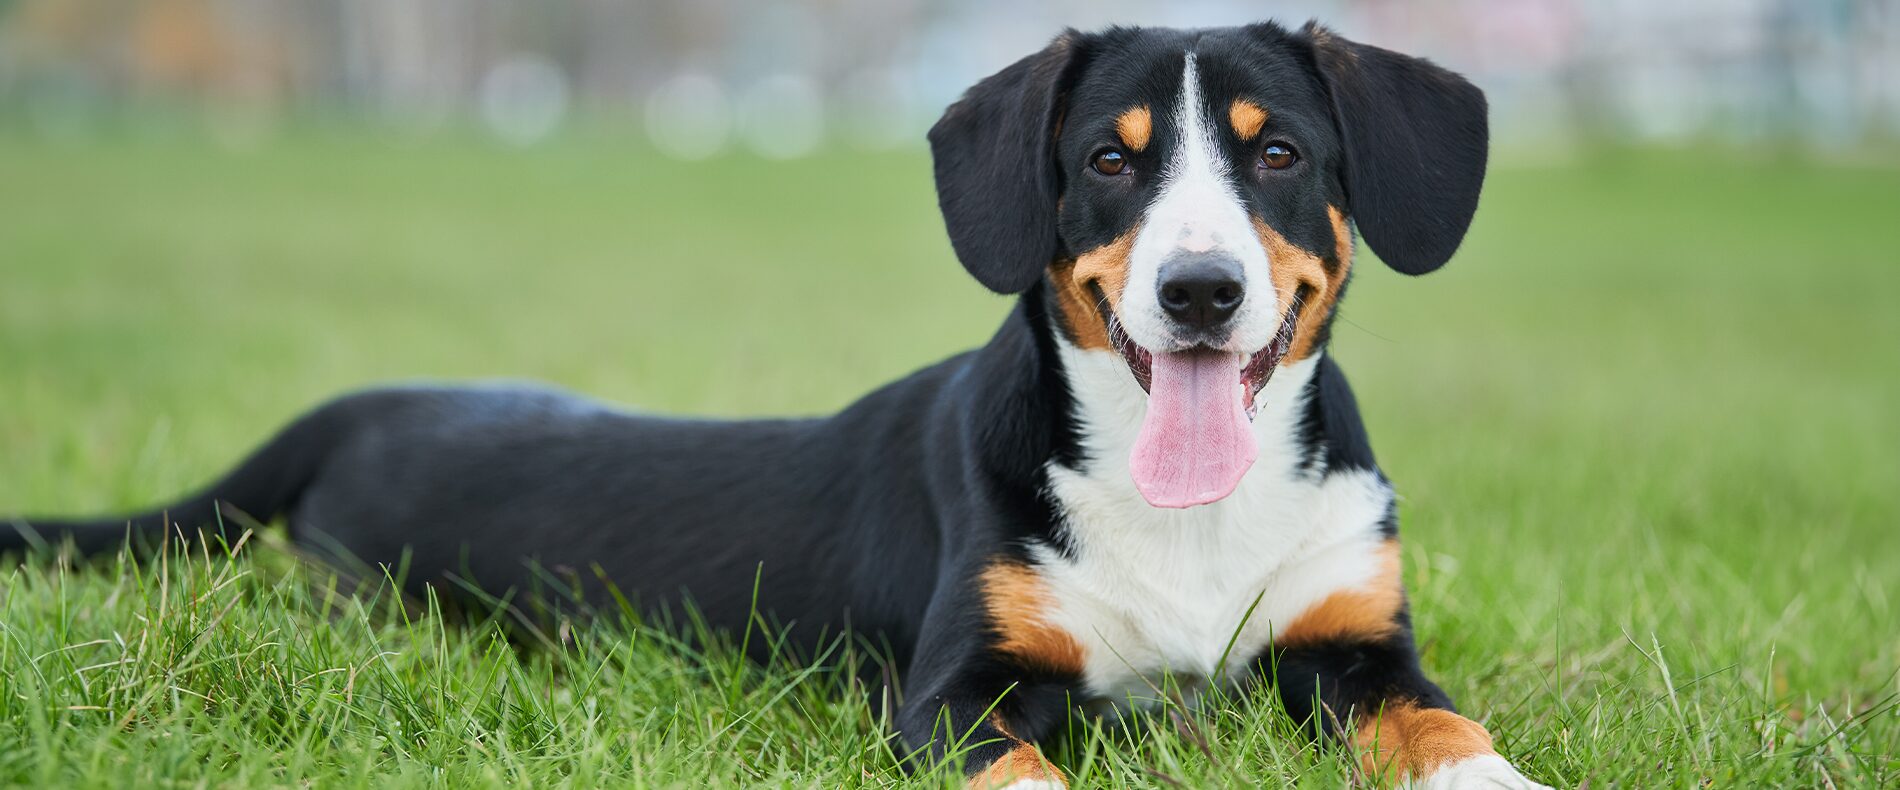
(1646, 427)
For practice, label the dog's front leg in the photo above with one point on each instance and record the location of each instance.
(987, 683)
(1348, 667)
(964, 718)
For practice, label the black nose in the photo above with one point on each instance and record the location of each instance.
(1201, 291)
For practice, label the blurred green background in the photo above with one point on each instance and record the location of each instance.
(1640, 360)
(1652, 408)
(1651, 401)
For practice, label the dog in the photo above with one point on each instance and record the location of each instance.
(1152, 468)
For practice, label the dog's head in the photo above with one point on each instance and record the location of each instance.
(1186, 195)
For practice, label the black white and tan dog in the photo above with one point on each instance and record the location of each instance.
(1152, 469)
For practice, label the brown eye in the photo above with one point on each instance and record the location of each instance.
(1109, 162)
(1278, 156)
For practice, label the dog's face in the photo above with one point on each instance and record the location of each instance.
(1200, 199)
(1186, 195)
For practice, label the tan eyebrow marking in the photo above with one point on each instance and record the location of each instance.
(1247, 118)
(1135, 126)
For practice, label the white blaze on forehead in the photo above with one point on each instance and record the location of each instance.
(1196, 197)
(1197, 210)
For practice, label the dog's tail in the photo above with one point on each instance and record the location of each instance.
(263, 487)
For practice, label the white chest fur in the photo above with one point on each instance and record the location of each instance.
(1151, 591)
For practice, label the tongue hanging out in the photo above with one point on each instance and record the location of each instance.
(1196, 441)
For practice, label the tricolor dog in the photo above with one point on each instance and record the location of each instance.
(1152, 469)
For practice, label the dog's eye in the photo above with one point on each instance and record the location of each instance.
(1278, 156)
(1110, 162)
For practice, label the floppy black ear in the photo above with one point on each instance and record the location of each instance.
(997, 182)
(1416, 138)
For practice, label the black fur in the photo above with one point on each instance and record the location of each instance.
(881, 517)
(1416, 139)
(996, 178)
(1332, 437)
(1325, 686)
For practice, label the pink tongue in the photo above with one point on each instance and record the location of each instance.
(1195, 443)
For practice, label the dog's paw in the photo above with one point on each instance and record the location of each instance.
(1034, 784)
(1484, 772)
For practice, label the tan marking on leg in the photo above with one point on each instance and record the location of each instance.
(1291, 267)
(1022, 762)
(1364, 614)
(1018, 603)
(1246, 118)
(1107, 268)
(1135, 126)
(1407, 741)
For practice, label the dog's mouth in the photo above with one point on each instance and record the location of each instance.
(1196, 440)
(1254, 375)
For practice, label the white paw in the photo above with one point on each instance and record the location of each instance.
(1485, 772)
(1033, 784)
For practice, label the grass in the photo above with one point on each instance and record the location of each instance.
(1647, 428)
